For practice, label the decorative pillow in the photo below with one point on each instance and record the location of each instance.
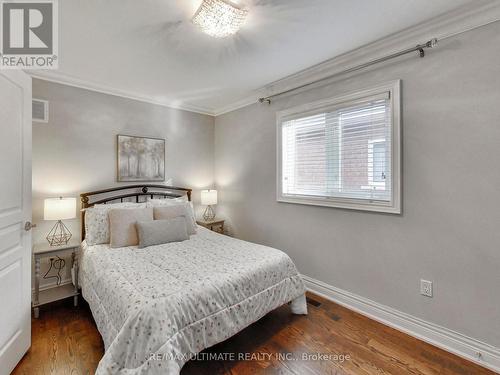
(174, 202)
(97, 222)
(161, 231)
(170, 212)
(184, 198)
(122, 225)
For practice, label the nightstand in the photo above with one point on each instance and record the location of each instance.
(213, 225)
(59, 292)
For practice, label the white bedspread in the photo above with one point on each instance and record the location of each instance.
(157, 306)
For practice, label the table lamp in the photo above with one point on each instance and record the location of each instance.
(59, 209)
(209, 198)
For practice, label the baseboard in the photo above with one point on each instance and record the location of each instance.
(466, 347)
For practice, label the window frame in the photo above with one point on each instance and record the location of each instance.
(359, 96)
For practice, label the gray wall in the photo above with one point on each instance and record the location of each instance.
(449, 230)
(76, 151)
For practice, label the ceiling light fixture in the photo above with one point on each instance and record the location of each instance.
(219, 18)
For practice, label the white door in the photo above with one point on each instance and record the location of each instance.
(15, 212)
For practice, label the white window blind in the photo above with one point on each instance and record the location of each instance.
(340, 152)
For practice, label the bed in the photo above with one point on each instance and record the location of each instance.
(156, 307)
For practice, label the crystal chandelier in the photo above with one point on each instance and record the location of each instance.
(219, 18)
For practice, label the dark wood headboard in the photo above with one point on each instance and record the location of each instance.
(129, 193)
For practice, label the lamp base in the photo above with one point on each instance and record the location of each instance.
(209, 213)
(59, 234)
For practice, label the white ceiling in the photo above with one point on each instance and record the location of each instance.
(150, 48)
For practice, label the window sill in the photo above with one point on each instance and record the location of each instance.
(373, 206)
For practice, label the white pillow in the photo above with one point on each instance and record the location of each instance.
(174, 202)
(167, 201)
(97, 221)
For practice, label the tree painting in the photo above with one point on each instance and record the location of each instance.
(141, 159)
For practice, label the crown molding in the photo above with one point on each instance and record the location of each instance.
(248, 100)
(56, 77)
(475, 14)
(471, 16)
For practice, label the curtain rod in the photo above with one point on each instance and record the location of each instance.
(419, 48)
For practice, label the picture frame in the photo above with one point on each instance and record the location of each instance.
(140, 159)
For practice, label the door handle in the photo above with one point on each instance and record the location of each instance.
(28, 226)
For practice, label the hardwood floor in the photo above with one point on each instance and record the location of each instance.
(66, 341)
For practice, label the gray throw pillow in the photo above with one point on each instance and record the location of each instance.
(161, 231)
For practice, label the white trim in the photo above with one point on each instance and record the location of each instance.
(52, 76)
(245, 102)
(471, 16)
(394, 206)
(444, 338)
(477, 13)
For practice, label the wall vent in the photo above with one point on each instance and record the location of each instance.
(40, 110)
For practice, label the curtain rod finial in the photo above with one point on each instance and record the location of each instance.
(432, 43)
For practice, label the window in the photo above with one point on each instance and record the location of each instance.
(342, 152)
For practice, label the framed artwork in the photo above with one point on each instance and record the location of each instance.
(141, 158)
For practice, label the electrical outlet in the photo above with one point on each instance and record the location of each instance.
(426, 288)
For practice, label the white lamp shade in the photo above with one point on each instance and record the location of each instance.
(208, 197)
(59, 208)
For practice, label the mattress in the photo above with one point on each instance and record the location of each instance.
(158, 306)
